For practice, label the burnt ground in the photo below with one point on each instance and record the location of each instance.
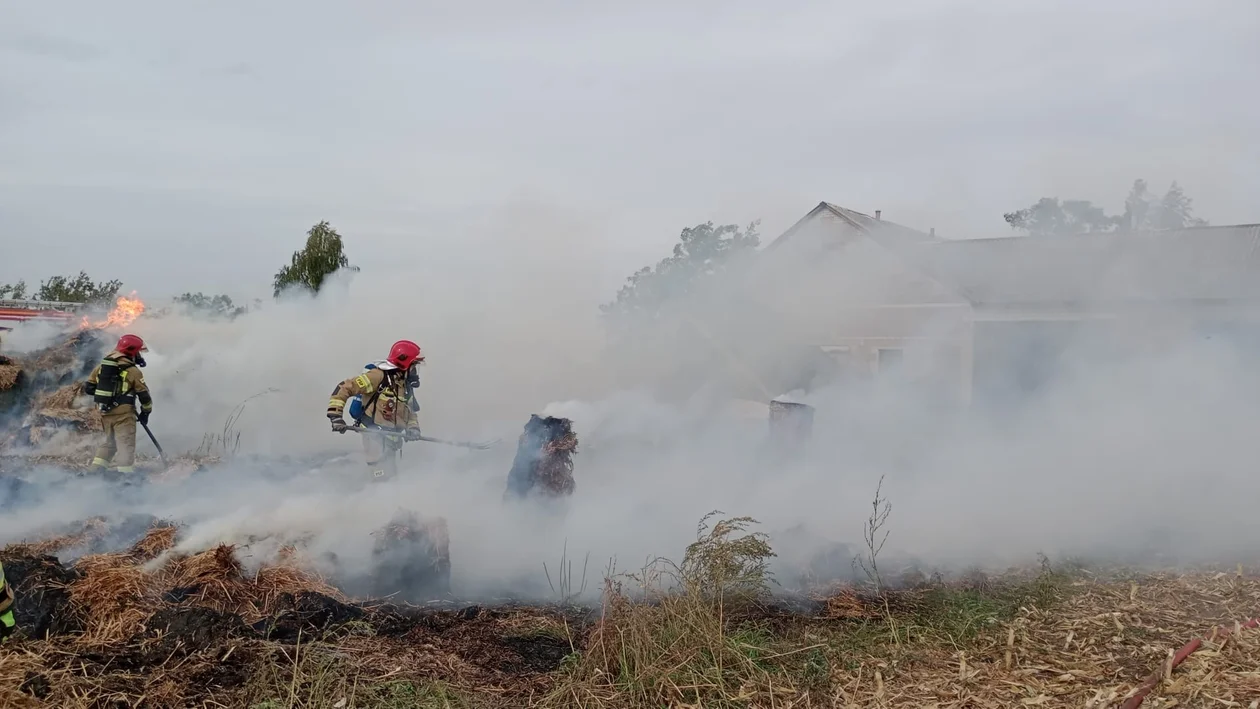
(218, 652)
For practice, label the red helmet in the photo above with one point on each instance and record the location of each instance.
(405, 353)
(130, 345)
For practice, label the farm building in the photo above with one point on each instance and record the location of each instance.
(983, 317)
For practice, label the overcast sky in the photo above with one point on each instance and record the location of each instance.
(188, 146)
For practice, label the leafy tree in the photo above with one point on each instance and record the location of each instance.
(80, 289)
(672, 324)
(16, 291)
(1142, 212)
(323, 256)
(219, 306)
(703, 252)
(1051, 216)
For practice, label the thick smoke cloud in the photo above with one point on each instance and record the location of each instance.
(1115, 454)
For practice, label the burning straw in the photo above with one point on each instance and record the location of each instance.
(91, 530)
(215, 578)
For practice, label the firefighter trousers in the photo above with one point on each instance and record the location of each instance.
(119, 446)
(381, 451)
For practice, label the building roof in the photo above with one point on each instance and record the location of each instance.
(1195, 264)
(886, 233)
(1211, 263)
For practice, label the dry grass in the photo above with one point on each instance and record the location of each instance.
(699, 633)
(1093, 649)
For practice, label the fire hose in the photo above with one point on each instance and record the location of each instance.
(161, 455)
(1152, 681)
(459, 444)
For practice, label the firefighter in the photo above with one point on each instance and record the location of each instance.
(383, 406)
(6, 608)
(116, 385)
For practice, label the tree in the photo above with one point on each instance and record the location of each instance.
(323, 256)
(703, 251)
(1050, 216)
(79, 290)
(16, 291)
(219, 306)
(1142, 212)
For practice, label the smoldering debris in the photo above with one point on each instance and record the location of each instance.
(112, 625)
(41, 585)
(544, 460)
(412, 558)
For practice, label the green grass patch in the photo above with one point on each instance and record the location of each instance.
(316, 676)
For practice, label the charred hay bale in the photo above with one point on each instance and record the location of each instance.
(41, 584)
(412, 558)
(544, 459)
(791, 424)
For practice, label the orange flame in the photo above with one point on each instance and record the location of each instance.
(126, 310)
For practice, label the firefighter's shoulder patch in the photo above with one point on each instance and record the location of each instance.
(365, 383)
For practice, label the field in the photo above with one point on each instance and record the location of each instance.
(137, 625)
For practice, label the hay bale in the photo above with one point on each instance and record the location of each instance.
(40, 389)
(412, 558)
(544, 459)
(76, 353)
(66, 398)
(10, 376)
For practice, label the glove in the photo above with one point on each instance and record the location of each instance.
(339, 425)
(89, 388)
(412, 434)
(143, 418)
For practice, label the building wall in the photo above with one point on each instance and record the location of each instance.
(1020, 353)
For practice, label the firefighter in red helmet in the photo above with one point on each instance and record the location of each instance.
(118, 388)
(387, 415)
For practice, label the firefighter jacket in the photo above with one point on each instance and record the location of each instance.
(128, 384)
(387, 400)
(6, 606)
